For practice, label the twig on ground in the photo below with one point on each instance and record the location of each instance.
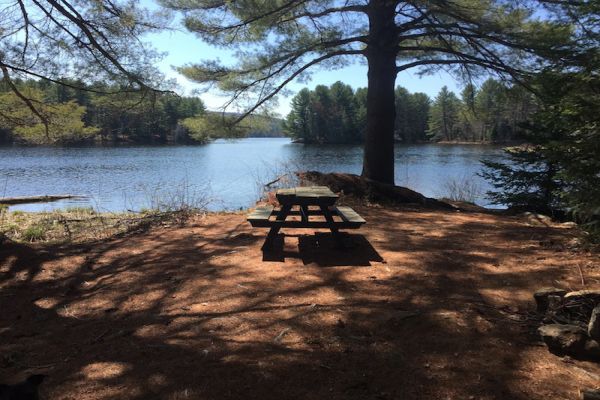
(581, 275)
(97, 338)
(279, 337)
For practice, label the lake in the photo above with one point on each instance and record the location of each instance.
(228, 172)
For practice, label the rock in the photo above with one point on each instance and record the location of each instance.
(591, 349)
(580, 304)
(568, 225)
(541, 297)
(554, 303)
(594, 325)
(570, 340)
(586, 295)
(589, 394)
(564, 339)
(537, 219)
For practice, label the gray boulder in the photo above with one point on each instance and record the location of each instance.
(591, 350)
(570, 340)
(579, 304)
(594, 325)
(584, 295)
(563, 339)
(541, 297)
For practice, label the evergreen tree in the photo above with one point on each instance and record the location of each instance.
(343, 114)
(490, 103)
(420, 105)
(322, 122)
(443, 116)
(560, 173)
(360, 97)
(525, 181)
(298, 123)
(403, 114)
(469, 123)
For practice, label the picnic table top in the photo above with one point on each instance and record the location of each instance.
(307, 192)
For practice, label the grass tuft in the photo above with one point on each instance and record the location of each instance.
(34, 233)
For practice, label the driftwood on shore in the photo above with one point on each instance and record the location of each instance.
(37, 199)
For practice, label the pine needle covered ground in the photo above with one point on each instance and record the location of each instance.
(422, 304)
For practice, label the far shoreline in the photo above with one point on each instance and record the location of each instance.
(109, 145)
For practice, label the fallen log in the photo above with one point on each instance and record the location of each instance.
(37, 199)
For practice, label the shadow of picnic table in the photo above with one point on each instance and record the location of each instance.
(325, 250)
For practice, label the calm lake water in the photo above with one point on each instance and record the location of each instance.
(131, 178)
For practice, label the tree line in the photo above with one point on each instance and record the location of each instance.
(73, 112)
(494, 112)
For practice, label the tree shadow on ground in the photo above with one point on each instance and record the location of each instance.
(194, 313)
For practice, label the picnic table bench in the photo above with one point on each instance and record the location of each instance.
(309, 201)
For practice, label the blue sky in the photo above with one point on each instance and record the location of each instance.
(182, 47)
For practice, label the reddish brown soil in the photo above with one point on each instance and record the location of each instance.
(196, 312)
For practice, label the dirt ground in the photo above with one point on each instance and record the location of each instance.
(418, 305)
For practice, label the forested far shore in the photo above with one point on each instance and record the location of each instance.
(74, 113)
(493, 113)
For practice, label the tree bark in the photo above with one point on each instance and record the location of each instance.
(378, 163)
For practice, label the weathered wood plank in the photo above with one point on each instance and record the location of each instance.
(260, 214)
(349, 215)
(304, 224)
(306, 195)
(307, 200)
(307, 212)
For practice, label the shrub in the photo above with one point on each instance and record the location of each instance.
(463, 189)
(35, 233)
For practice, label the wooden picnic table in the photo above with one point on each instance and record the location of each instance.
(309, 201)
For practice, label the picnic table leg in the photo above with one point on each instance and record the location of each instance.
(329, 218)
(304, 212)
(281, 216)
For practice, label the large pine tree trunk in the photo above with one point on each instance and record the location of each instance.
(381, 54)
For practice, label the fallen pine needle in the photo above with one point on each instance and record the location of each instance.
(281, 335)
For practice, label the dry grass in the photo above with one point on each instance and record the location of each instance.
(83, 224)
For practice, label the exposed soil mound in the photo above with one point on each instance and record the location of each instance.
(363, 188)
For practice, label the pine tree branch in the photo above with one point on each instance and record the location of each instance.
(293, 75)
(25, 99)
(26, 27)
(81, 24)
